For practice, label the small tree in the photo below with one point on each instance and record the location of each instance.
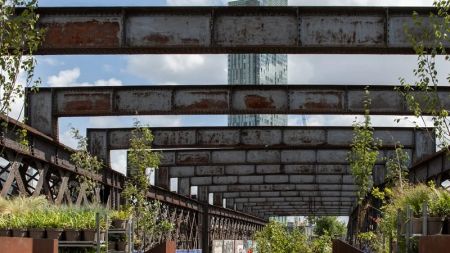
(364, 152)
(422, 95)
(19, 39)
(329, 225)
(147, 214)
(274, 238)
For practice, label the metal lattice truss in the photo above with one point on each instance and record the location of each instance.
(44, 168)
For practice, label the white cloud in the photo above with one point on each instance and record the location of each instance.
(69, 77)
(180, 69)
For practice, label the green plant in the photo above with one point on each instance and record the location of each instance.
(322, 244)
(422, 95)
(90, 165)
(439, 205)
(397, 167)
(371, 241)
(364, 152)
(329, 225)
(123, 214)
(20, 38)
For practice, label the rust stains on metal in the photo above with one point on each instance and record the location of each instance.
(86, 102)
(80, 34)
(158, 38)
(258, 102)
(318, 101)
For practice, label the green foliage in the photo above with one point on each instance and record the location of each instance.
(20, 38)
(23, 212)
(147, 214)
(274, 238)
(371, 241)
(330, 226)
(90, 165)
(123, 214)
(439, 205)
(322, 244)
(397, 167)
(364, 152)
(428, 45)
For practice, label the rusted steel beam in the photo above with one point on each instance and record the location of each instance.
(299, 203)
(292, 30)
(435, 167)
(286, 190)
(317, 156)
(45, 106)
(101, 141)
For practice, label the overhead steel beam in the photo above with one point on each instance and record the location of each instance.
(435, 167)
(50, 103)
(298, 203)
(293, 199)
(101, 141)
(294, 30)
(285, 190)
(272, 179)
(263, 194)
(316, 156)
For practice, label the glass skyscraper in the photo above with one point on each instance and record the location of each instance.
(257, 69)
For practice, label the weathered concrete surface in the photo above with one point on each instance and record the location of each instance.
(122, 30)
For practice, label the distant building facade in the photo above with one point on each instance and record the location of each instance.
(257, 69)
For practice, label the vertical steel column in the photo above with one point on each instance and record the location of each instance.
(205, 230)
(217, 199)
(162, 178)
(184, 186)
(202, 194)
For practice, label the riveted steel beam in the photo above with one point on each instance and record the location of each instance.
(45, 106)
(101, 141)
(295, 30)
(305, 193)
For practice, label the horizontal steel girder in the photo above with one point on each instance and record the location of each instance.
(435, 167)
(285, 189)
(272, 179)
(255, 194)
(156, 30)
(101, 141)
(50, 103)
(293, 199)
(316, 156)
(299, 204)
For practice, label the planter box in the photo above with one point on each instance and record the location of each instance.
(72, 235)
(37, 233)
(28, 245)
(19, 232)
(119, 224)
(5, 232)
(54, 233)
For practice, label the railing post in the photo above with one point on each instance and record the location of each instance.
(425, 219)
(205, 229)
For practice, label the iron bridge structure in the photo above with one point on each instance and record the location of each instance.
(258, 171)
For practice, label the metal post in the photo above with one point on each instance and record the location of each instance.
(399, 230)
(217, 199)
(408, 227)
(97, 224)
(205, 229)
(425, 219)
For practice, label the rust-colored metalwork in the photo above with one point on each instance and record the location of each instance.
(45, 106)
(292, 30)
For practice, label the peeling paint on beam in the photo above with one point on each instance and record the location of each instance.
(292, 30)
(50, 103)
